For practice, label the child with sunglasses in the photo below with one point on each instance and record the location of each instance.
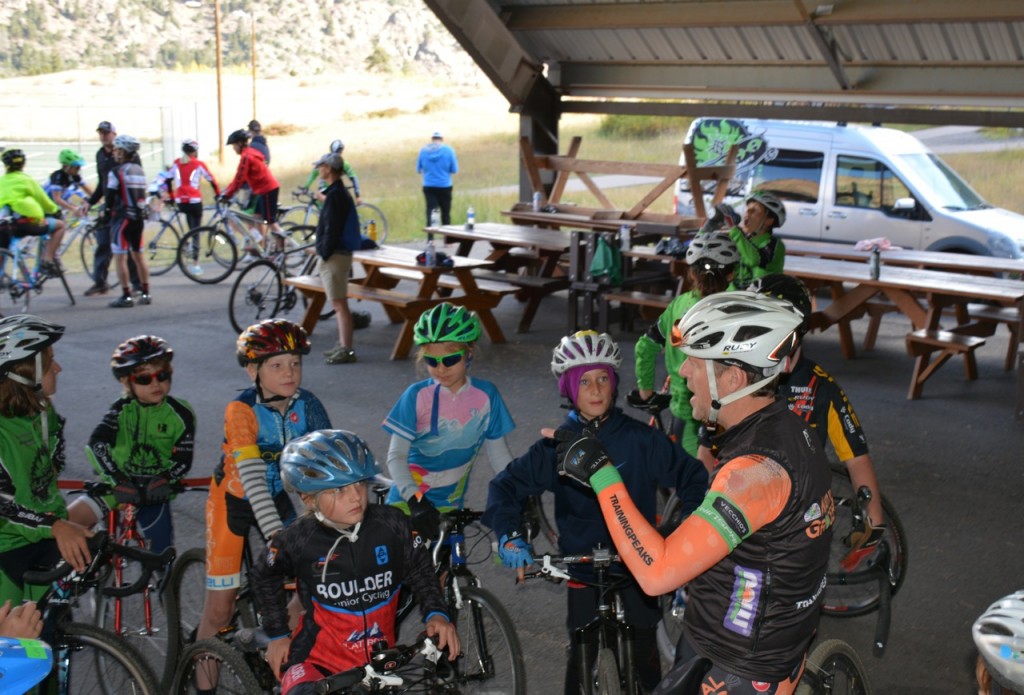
(438, 425)
(144, 443)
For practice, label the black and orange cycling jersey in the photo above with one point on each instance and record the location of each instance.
(754, 554)
(815, 396)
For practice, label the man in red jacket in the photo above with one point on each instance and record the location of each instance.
(253, 171)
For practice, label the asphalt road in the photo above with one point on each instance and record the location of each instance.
(950, 462)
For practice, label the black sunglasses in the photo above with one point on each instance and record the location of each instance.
(449, 360)
(147, 379)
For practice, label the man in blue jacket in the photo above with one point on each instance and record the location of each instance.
(586, 365)
(437, 163)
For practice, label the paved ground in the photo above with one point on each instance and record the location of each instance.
(950, 462)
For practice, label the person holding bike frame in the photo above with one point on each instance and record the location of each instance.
(814, 395)
(710, 260)
(184, 178)
(34, 527)
(144, 443)
(337, 147)
(754, 555)
(349, 559)
(34, 212)
(254, 172)
(439, 424)
(586, 366)
(66, 181)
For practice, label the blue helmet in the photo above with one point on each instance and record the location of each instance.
(325, 460)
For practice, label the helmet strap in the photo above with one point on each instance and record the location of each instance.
(260, 398)
(718, 403)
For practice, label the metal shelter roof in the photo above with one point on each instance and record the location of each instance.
(927, 61)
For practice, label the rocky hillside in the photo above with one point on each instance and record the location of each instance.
(293, 37)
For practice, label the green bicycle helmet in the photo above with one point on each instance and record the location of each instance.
(70, 158)
(447, 323)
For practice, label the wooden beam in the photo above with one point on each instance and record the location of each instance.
(562, 177)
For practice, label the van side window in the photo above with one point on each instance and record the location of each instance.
(791, 175)
(862, 182)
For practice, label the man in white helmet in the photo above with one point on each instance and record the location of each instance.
(755, 552)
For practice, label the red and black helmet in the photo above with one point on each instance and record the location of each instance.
(138, 351)
(268, 338)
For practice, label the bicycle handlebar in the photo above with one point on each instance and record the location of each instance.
(601, 557)
(98, 487)
(384, 662)
(102, 548)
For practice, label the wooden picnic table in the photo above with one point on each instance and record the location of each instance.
(406, 308)
(920, 294)
(549, 245)
(936, 260)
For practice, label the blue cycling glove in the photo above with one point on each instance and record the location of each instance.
(514, 551)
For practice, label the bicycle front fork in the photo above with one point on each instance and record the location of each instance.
(587, 642)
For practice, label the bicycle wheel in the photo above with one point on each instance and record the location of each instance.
(207, 255)
(215, 665)
(368, 212)
(256, 295)
(14, 295)
(298, 215)
(492, 659)
(99, 662)
(150, 638)
(185, 596)
(843, 598)
(87, 251)
(160, 242)
(834, 668)
(299, 237)
(606, 673)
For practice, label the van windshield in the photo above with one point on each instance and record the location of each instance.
(951, 191)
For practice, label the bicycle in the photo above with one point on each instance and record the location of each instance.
(237, 647)
(492, 658)
(209, 253)
(20, 275)
(89, 659)
(386, 672)
(137, 618)
(260, 292)
(162, 235)
(604, 648)
(372, 221)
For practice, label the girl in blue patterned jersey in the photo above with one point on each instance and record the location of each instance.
(438, 425)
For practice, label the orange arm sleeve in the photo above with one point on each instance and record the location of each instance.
(747, 493)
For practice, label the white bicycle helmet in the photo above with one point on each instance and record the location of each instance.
(584, 348)
(739, 328)
(711, 252)
(126, 143)
(999, 635)
(772, 203)
(23, 336)
(189, 146)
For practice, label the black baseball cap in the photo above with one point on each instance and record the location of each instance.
(106, 127)
(254, 126)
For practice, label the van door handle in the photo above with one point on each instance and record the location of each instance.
(809, 212)
(836, 214)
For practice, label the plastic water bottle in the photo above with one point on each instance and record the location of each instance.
(536, 201)
(875, 263)
(371, 230)
(435, 219)
(625, 239)
(470, 218)
(429, 255)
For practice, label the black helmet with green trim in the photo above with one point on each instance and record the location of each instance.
(447, 323)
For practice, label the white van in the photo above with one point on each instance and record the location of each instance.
(844, 183)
